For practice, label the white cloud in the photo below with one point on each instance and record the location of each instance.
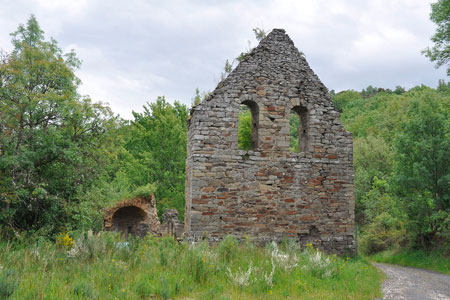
(136, 50)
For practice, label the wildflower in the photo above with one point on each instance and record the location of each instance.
(67, 241)
(319, 264)
(268, 278)
(241, 278)
(270, 292)
(284, 260)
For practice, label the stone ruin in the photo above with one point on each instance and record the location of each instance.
(171, 225)
(135, 217)
(139, 217)
(270, 193)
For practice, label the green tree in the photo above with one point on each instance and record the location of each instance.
(245, 128)
(422, 167)
(52, 140)
(372, 162)
(440, 52)
(158, 145)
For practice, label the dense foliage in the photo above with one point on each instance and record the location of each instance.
(440, 52)
(53, 142)
(402, 167)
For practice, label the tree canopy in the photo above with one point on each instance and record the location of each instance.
(52, 140)
(440, 52)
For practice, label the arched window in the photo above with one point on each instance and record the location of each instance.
(248, 125)
(299, 129)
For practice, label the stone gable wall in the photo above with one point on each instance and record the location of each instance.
(270, 193)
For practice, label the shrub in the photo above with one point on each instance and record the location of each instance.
(198, 260)
(87, 246)
(318, 264)
(144, 288)
(167, 250)
(8, 283)
(284, 260)
(64, 240)
(85, 290)
(227, 248)
(241, 278)
(164, 290)
(385, 232)
(145, 191)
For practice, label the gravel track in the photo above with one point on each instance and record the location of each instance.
(404, 283)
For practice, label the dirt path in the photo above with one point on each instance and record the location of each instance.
(403, 283)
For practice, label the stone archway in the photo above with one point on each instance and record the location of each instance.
(135, 217)
(130, 220)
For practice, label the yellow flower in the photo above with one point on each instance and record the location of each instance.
(270, 292)
(68, 241)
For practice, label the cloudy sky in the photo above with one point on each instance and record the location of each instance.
(136, 50)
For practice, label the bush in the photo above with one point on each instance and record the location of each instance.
(85, 290)
(198, 259)
(145, 191)
(385, 232)
(87, 246)
(8, 283)
(144, 288)
(227, 248)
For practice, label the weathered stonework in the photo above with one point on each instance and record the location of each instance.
(270, 193)
(133, 217)
(171, 225)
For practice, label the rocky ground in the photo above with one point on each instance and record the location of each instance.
(403, 283)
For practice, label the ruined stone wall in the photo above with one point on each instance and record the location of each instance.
(270, 193)
(171, 225)
(136, 217)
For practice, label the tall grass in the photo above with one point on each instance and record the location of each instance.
(431, 260)
(103, 267)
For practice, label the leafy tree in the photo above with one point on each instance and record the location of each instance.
(158, 145)
(393, 142)
(245, 128)
(440, 52)
(294, 121)
(422, 167)
(372, 162)
(52, 140)
(341, 99)
(399, 90)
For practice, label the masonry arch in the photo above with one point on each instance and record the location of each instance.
(128, 220)
(248, 125)
(299, 129)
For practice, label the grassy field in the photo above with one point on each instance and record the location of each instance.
(102, 267)
(435, 260)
